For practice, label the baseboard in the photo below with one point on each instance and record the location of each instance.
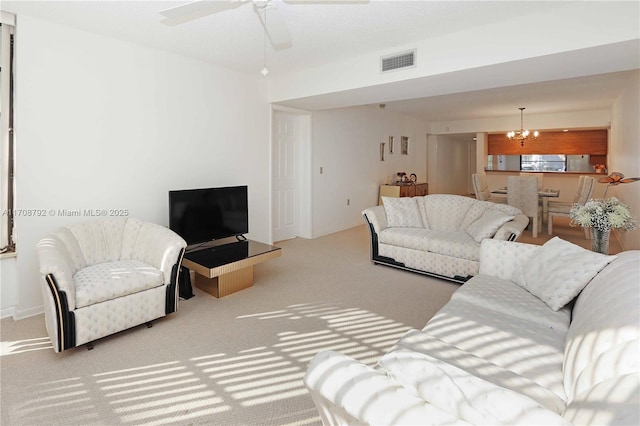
(19, 314)
(7, 312)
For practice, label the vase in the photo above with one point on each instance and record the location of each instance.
(600, 240)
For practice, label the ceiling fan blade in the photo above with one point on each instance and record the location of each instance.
(326, 1)
(197, 9)
(276, 27)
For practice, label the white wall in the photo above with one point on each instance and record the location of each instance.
(624, 154)
(346, 144)
(455, 162)
(105, 124)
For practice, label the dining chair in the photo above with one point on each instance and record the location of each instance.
(522, 193)
(586, 185)
(538, 176)
(481, 189)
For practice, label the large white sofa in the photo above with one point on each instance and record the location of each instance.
(498, 354)
(104, 276)
(438, 234)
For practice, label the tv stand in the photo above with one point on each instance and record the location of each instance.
(225, 269)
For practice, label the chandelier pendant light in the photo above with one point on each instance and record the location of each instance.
(523, 134)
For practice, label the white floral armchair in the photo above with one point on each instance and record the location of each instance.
(105, 276)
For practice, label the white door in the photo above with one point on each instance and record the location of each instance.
(285, 143)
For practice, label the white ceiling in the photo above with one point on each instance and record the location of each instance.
(323, 33)
(576, 94)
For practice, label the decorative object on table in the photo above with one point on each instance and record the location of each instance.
(400, 177)
(391, 138)
(381, 151)
(601, 216)
(615, 179)
(404, 145)
(413, 178)
(600, 168)
(522, 134)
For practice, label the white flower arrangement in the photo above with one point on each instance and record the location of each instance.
(603, 215)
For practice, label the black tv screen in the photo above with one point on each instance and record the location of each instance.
(201, 215)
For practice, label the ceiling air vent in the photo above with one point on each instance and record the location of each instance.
(398, 61)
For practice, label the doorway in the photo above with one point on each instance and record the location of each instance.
(291, 183)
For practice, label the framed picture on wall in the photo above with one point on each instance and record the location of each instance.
(391, 144)
(404, 145)
(381, 151)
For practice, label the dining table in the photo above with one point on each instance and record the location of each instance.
(543, 194)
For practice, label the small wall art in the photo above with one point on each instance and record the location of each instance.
(404, 145)
(391, 144)
(381, 151)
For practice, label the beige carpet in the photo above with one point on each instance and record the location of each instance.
(238, 360)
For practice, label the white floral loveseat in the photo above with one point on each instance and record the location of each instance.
(513, 346)
(438, 234)
(104, 276)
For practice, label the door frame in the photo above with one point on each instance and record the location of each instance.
(304, 184)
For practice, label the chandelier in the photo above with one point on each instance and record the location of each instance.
(523, 134)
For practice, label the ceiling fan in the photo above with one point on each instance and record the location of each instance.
(275, 27)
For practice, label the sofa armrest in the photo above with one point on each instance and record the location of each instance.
(500, 258)
(511, 230)
(55, 260)
(377, 217)
(346, 391)
(156, 245)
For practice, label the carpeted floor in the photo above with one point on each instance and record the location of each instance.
(237, 360)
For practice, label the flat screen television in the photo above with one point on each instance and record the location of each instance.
(202, 215)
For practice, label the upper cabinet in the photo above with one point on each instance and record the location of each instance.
(575, 142)
(577, 150)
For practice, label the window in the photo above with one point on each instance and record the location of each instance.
(545, 163)
(7, 26)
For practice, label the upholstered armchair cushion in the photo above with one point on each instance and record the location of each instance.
(110, 280)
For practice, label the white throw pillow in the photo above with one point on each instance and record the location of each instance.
(487, 225)
(558, 271)
(402, 212)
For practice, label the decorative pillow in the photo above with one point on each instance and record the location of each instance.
(487, 225)
(402, 212)
(558, 271)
